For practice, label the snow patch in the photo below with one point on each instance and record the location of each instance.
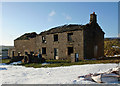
(57, 75)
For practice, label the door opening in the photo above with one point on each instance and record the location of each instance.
(55, 53)
(95, 50)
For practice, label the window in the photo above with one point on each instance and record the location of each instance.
(70, 50)
(44, 50)
(56, 37)
(43, 39)
(70, 36)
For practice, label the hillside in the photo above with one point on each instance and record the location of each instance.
(112, 46)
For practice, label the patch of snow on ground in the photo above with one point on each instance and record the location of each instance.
(15, 63)
(58, 75)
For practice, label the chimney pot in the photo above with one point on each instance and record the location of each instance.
(93, 18)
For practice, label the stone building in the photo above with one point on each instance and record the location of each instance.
(84, 41)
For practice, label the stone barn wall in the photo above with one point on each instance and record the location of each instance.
(23, 46)
(62, 44)
(93, 42)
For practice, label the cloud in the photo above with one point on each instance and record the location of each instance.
(67, 17)
(52, 13)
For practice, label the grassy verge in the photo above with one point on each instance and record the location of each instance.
(5, 60)
(58, 61)
(37, 65)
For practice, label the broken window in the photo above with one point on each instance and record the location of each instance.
(44, 50)
(69, 36)
(70, 50)
(56, 37)
(43, 39)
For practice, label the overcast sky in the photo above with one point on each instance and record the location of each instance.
(23, 17)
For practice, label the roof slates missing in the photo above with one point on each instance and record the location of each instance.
(64, 28)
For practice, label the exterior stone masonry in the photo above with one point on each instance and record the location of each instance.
(85, 41)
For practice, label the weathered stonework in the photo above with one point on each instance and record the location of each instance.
(86, 41)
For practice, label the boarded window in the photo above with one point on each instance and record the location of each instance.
(70, 50)
(44, 50)
(69, 35)
(56, 37)
(43, 39)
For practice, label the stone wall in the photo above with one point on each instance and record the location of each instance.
(83, 43)
(62, 44)
(87, 43)
(93, 42)
(23, 46)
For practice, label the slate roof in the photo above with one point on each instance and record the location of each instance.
(27, 36)
(59, 29)
(64, 28)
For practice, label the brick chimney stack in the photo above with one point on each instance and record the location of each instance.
(93, 18)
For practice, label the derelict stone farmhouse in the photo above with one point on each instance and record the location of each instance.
(84, 41)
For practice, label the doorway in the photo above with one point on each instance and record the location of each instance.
(13, 53)
(55, 53)
(70, 50)
(95, 50)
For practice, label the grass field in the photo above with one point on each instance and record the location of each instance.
(58, 63)
(37, 65)
(5, 60)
